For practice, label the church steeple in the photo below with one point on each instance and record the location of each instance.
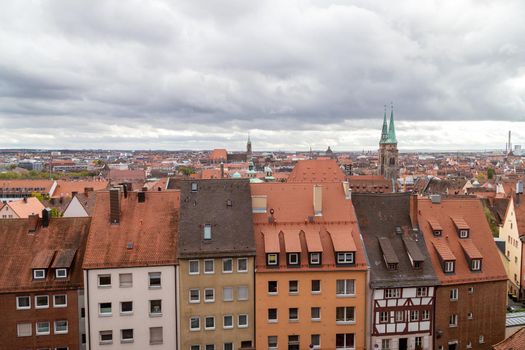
(384, 132)
(249, 146)
(391, 128)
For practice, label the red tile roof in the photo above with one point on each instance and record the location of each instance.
(443, 250)
(342, 238)
(317, 171)
(292, 243)
(271, 240)
(219, 154)
(313, 240)
(66, 188)
(25, 207)
(515, 342)
(151, 227)
(470, 249)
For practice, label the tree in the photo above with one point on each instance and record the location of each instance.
(490, 173)
(186, 170)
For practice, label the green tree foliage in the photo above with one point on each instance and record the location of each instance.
(490, 173)
(492, 222)
(186, 170)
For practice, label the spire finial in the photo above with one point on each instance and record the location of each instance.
(391, 128)
(384, 131)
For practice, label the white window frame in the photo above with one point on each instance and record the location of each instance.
(41, 306)
(63, 331)
(18, 307)
(21, 324)
(481, 339)
(346, 318)
(224, 322)
(125, 284)
(290, 289)
(153, 274)
(37, 332)
(231, 262)
(277, 288)
(152, 313)
(105, 332)
(425, 315)
(346, 284)
(239, 293)
(239, 325)
(315, 258)
(104, 285)
(290, 319)
(463, 233)
(454, 293)
(475, 265)
(194, 301)
(271, 345)
(206, 300)
(37, 276)
(206, 235)
(454, 318)
(59, 305)
(273, 320)
(385, 319)
(224, 294)
(190, 262)
(126, 313)
(449, 266)
(345, 258)
(206, 318)
(127, 340)
(269, 259)
(105, 314)
(414, 315)
(392, 293)
(293, 258)
(59, 274)
(212, 266)
(315, 346)
(315, 291)
(315, 319)
(199, 321)
(246, 264)
(161, 341)
(422, 292)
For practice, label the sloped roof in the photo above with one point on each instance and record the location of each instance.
(219, 154)
(369, 184)
(25, 207)
(151, 227)
(65, 188)
(515, 342)
(20, 252)
(316, 170)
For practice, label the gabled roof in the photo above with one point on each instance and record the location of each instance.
(25, 207)
(316, 170)
(52, 246)
(150, 226)
(226, 205)
(515, 342)
(65, 188)
(470, 249)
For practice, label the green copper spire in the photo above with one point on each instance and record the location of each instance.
(391, 128)
(384, 132)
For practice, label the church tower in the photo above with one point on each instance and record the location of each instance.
(388, 153)
(248, 148)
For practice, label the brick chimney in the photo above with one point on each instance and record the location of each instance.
(114, 206)
(32, 223)
(413, 210)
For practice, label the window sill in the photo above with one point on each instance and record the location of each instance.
(293, 293)
(156, 342)
(61, 332)
(154, 287)
(272, 294)
(105, 315)
(345, 295)
(273, 321)
(46, 333)
(130, 313)
(293, 321)
(104, 287)
(345, 322)
(105, 342)
(155, 314)
(127, 341)
(194, 329)
(316, 293)
(42, 307)
(59, 306)
(24, 308)
(246, 326)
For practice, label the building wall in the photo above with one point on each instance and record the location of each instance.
(486, 302)
(10, 317)
(7, 213)
(218, 280)
(140, 320)
(387, 152)
(304, 301)
(509, 232)
(75, 209)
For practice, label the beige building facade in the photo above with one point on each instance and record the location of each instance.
(508, 232)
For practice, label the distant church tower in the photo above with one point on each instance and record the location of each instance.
(388, 153)
(249, 147)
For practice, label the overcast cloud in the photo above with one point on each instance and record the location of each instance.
(202, 74)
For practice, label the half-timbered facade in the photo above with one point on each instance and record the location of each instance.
(402, 280)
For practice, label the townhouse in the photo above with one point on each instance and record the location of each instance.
(402, 279)
(311, 270)
(216, 264)
(21, 208)
(41, 286)
(471, 298)
(129, 270)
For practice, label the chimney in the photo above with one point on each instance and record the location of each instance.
(222, 170)
(87, 190)
(348, 191)
(32, 223)
(318, 200)
(114, 206)
(141, 196)
(435, 198)
(25, 199)
(46, 216)
(413, 210)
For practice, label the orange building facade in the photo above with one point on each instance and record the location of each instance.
(310, 280)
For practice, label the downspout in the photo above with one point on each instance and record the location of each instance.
(88, 332)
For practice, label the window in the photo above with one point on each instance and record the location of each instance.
(392, 293)
(422, 292)
(60, 273)
(470, 290)
(126, 307)
(419, 342)
(194, 296)
(385, 344)
(315, 313)
(43, 328)
(293, 287)
(272, 287)
(242, 321)
(125, 280)
(344, 341)
(426, 315)
(345, 258)
(242, 265)
(126, 335)
(154, 279)
(454, 294)
(195, 347)
(293, 342)
(272, 259)
(272, 342)
(227, 294)
(23, 303)
(293, 259)
(436, 233)
(60, 300)
(194, 267)
(293, 314)
(209, 295)
(207, 231)
(227, 346)
(194, 187)
(469, 316)
(195, 323)
(242, 293)
(209, 266)
(469, 345)
(210, 347)
(345, 314)
(481, 339)
(414, 315)
(104, 280)
(463, 233)
(227, 322)
(104, 309)
(39, 274)
(315, 340)
(41, 301)
(345, 287)
(105, 337)
(315, 258)
(449, 266)
(227, 265)
(24, 330)
(272, 315)
(155, 307)
(384, 317)
(316, 286)
(475, 265)
(400, 316)
(453, 320)
(61, 327)
(209, 323)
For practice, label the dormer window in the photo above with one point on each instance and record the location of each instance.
(345, 258)
(463, 233)
(315, 258)
(437, 230)
(475, 265)
(207, 232)
(194, 187)
(293, 258)
(392, 266)
(272, 259)
(449, 266)
(461, 226)
(61, 273)
(417, 265)
(437, 233)
(39, 274)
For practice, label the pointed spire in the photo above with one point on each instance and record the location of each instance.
(391, 128)
(384, 132)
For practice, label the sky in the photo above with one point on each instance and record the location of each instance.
(202, 74)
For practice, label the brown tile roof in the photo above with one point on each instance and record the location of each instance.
(25, 207)
(515, 342)
(64, 258)
(151, 227)
(65, 188)
(519, 209)
(434, 224)
(313, 240)
(317, 171)
(292, 244)
(369, 184)
(20, 252)
(219, 154)
(388, 251)
(116, 175)
(460, 223)
(470, 249)
(443, 250)
(342, 238)
(271, 240)
(471, 210)
(12, 186)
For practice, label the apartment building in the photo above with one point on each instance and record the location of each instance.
(311, 270)
(216, 264)
(471, 299)
(402, 280)
(129, 271)
(41, 286)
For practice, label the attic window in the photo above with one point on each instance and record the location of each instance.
(437, 233)
(194, 187)
(60, 273)
(449, 266)
(463, 233)
(475, 265)
(207, 232)
(39, 274)
(229, 203)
